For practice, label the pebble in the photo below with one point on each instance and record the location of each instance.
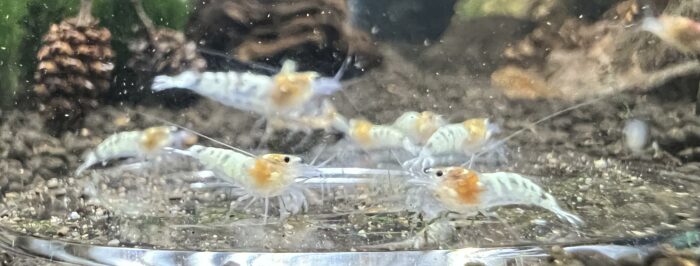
(73, 216)
(60, 192)
(63, 231)
(600, 163)
(636, 135)
(113, 242)
(52, 183)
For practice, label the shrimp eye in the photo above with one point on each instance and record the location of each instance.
(438, 173)
(287, 159)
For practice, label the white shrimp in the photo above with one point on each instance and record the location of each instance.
(268, 96)
(466, 192)
(419, 126)
(262, 177)
(287, 98)
(470, 139)
(375, 137)
(459, 140)
(325, 118)
(145, 144)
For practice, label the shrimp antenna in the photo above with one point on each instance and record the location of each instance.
(339, 75)
(197, 133)
(250, 65)
(344, 67)
(555, 114)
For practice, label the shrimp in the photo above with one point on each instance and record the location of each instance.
(325, 118)
(287, 97)
(472, 138)
(461, 139)
(145, 144)
(259, 177)
(380, 142)
(265, 95)
(419, 126)
(467, 192)
(375, 137)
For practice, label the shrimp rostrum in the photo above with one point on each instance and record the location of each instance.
(140, 144)
(466, 192)
(257, 177)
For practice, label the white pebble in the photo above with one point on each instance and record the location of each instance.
(600, 163)
(636, 135)
(113, 242)
(52, 183)
(73, 216)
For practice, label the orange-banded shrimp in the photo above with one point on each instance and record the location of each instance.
(370, 136)
(460, 190)
(326, 118)
(470, 139)
(262, 94)
(287, 96)
(258, 177)
(379, 142)
(419, 126)
(459, 140)
(141, 144)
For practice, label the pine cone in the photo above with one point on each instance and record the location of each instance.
(165, 52)
(74, 70)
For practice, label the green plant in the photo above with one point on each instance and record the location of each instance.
(11, 33)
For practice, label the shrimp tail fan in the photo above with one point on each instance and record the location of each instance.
(328, 86)
(569, 217)
(185, 80)
(90, 160)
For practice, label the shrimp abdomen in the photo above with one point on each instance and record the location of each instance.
(503, 188)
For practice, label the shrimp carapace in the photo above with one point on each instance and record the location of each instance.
(272, 173)
(145, 144)
(458, 186)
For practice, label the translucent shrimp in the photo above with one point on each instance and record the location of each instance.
(451, 141)
(470, 139)
(419, 126)
(325, 118)
(259, 177)
(262, 94)
(288, 98)
(374, 143)
(146, 144)
(468, 193)
(375, 137)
